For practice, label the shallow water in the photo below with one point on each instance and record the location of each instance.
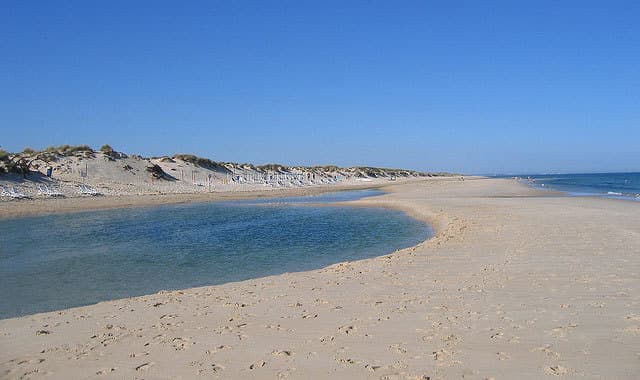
(610, 185)
(59, 261)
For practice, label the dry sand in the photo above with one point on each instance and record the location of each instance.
(514, 285)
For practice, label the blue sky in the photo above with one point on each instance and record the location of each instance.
(467, 86)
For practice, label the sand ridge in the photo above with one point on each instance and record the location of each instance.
(513, 285)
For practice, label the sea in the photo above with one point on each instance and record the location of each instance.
(609, 185)
(59, 261)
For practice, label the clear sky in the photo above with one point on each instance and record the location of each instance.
(468, 86)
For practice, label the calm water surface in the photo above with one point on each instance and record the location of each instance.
(60, 261)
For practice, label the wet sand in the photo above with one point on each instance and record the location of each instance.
(513, 285)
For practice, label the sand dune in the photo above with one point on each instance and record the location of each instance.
(118, 174)
(514, 285)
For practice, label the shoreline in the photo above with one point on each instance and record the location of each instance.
(511, 285)
(38, 207)
(46, 206)
(317, 264)
(531, 183)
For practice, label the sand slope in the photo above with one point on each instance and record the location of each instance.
(514, 285)
(117, 174)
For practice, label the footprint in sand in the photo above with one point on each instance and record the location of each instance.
(452, 339)
(398, 348)
(427, 338)
(373, 367)
(327, 339)
(285, 373)
(444, 357)
(212, 368)
(547, 351)
(399, 364)
(635, 330)
(105, 371)
(134, 354)
(180, 344)
(217, 349)
(347, 329)
(284, 353)
(145, 366)
(29, 361)
(345, 360)
(556, 370)
(258, 364)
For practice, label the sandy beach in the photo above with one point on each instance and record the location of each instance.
(516, 284)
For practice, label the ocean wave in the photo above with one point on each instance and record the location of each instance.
(608, 185)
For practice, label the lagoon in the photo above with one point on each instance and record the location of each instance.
(65, 260)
